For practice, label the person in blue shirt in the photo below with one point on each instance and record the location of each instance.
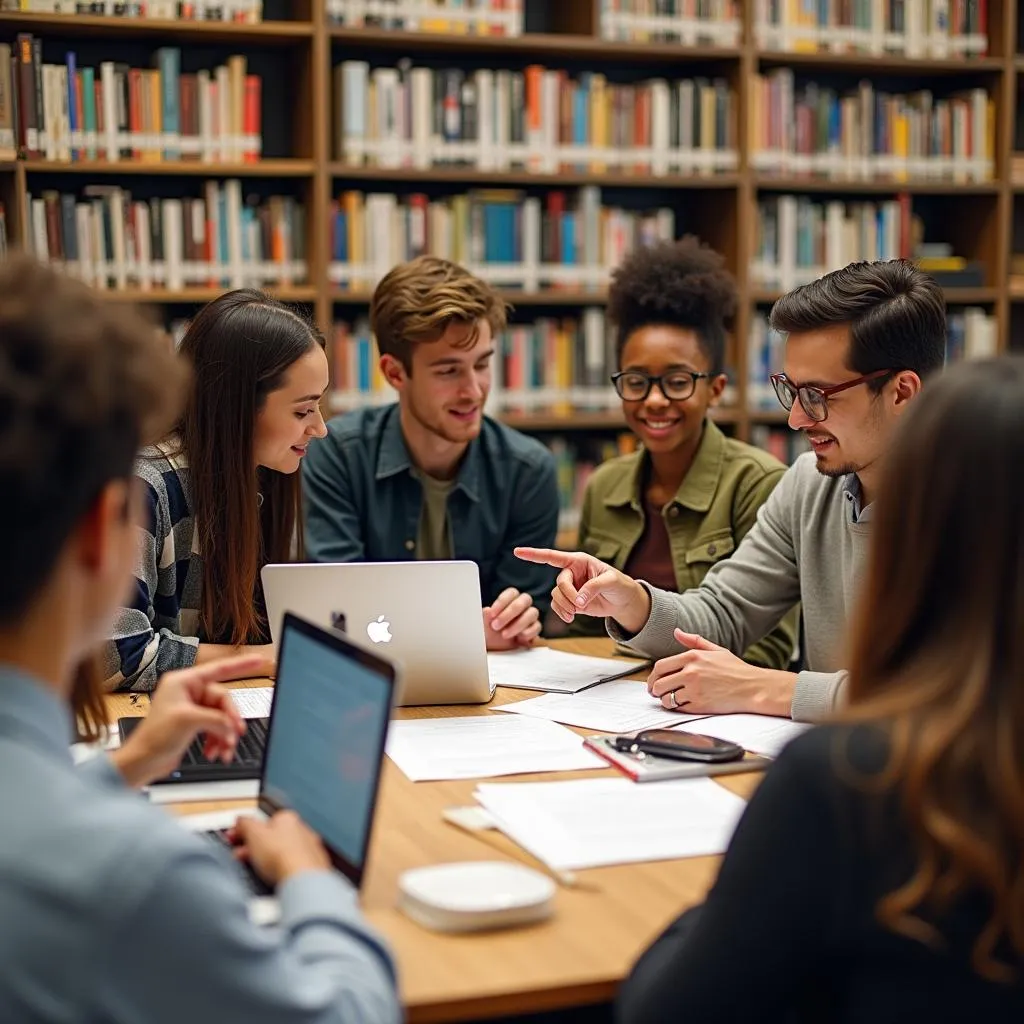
(431, 477)
(110, 912)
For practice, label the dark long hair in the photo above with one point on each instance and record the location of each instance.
(938, 652)
(240, 346)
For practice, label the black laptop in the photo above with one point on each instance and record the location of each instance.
(325, 740)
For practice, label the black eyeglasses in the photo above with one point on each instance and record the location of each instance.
(677, 386)
(814, 400)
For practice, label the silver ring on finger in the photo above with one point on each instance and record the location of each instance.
(673, 703)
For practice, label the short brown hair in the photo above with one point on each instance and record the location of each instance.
(83, 383)
(416, 301)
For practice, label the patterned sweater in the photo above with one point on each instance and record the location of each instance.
(157, 630)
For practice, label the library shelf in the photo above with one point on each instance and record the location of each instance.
(886, 64)
(157, 296)
(769, 417)
(472, 176)
(284, 168)
(953, 296)
(546, 297)
(263, 33)
(873, 186)
(534, 45)
(577, 419)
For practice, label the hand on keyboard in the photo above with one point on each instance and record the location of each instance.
(281, 847)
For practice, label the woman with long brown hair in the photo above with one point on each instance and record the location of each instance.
(222, 491)
(878, 872)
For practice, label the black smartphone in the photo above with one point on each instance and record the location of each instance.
(681, 746)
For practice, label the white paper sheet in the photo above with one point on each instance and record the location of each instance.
(253, 701)
(84, 751)
(189, 792)
(761, 734)
(482, 746)
(596, 822)
(543, 668)
(619, 707)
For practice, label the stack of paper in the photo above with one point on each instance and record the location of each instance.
(543, 668)
(589, 823)
(620, 707)
(761, 734)
(482, 746)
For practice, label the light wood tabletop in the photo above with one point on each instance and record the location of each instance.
(576, 958)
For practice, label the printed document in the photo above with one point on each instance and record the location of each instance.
(543, 668)
(482, 746)
(589, 823)
(761, 734)
(253, 701)
(620, 707)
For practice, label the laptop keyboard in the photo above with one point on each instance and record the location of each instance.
(255, 884)
(249, 750)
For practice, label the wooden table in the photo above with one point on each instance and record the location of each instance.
(576, 958)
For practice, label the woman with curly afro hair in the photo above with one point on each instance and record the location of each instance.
(685, 499)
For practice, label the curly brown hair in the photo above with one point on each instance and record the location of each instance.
(416, 301)
(681, 284)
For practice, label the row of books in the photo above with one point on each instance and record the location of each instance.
(689, 22)
(457, 17)
(65, 113)
(907, 28)
(514, 241)
(798, 239)
(971, 333)
(785, 444)
(866, 133)
(246, 12)
(576, 458)
(222, 240)
(539, 119)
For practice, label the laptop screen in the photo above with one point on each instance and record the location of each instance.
(331, 709)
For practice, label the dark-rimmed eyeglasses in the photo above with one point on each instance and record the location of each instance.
(814, 400)
(677, 386)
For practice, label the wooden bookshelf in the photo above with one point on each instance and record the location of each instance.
(721, 206)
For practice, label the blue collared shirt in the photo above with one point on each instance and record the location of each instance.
(363, 500)
(112, 913)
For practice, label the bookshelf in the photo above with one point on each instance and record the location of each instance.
(297, 47)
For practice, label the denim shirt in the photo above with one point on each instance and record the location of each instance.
(112, 913)
(363, 501)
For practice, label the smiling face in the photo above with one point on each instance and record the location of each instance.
(856, 432)
(661, 424)
(290, 416)
(447, 384)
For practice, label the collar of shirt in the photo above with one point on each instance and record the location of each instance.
(855, 495)
(393, 458)
(697, 491)
(30, 712)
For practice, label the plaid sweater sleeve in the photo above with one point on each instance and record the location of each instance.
(151, 634)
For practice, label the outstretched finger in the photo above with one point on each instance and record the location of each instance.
(546, 556)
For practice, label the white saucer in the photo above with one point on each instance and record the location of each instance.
(475, 895)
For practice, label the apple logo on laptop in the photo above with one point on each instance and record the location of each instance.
(379, 631)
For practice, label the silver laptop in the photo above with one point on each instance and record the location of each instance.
(425, 616)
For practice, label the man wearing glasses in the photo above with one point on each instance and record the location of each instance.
(860, 341)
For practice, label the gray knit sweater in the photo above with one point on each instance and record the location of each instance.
(809, 544)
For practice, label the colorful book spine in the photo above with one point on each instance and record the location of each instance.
(115, 241)
(538, 119)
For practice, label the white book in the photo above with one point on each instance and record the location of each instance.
(422, 85)
(225, 149)
(110, 144)
(83, 229)
(174, 243)
(550, 119)
(144, 247)
(486, 141)
(233, 214)
(531, 225)
(116, 200)
(211, 197)
(205, 103)
(502, 119)
(660, 114)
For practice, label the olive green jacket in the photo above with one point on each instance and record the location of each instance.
(710, 514)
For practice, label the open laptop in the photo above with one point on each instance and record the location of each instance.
(425, 615)
(325, 744)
